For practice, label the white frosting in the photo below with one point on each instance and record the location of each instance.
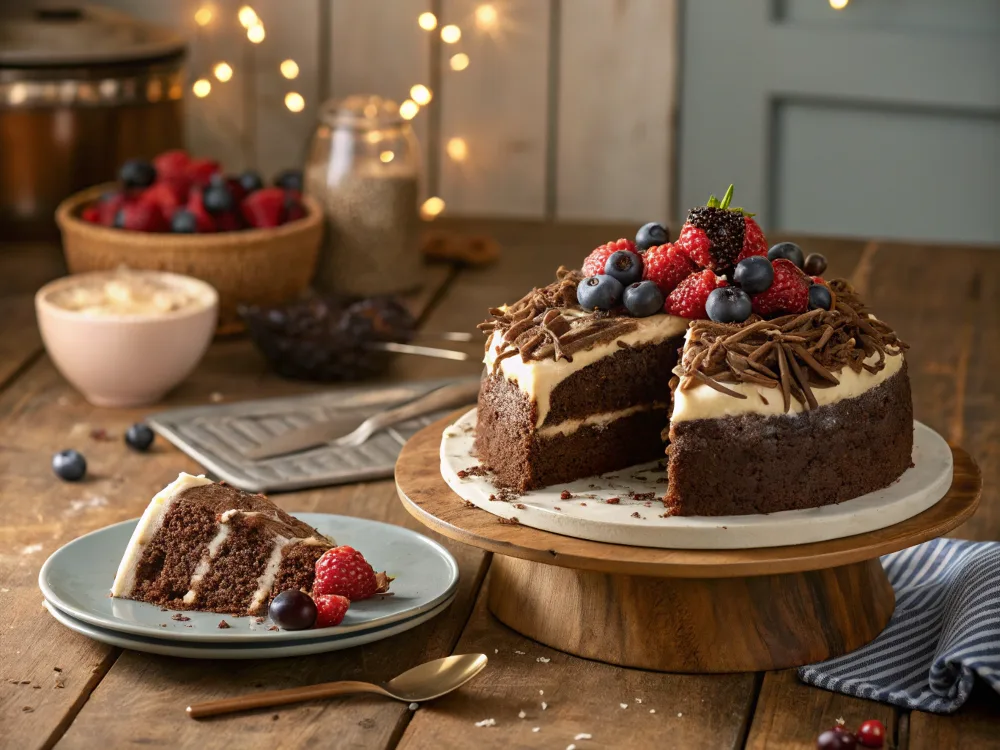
(569, 426)
(704, 402)
(205, 563)
(149, 524)
(538, 378)
(266, 579)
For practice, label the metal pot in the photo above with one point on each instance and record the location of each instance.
(81, 90)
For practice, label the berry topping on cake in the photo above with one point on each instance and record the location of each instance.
(293, 610)
(754, 274)
(815, 264)
(643, 299)
(788, 293)
(728, 304)
(625, 266)
(139, 437)
(651, 235)
(599, 292)
(820, 297)
(689, 298)
(345, 572)
(754, 241)
(788, 251)
(69, 466)
(330, 610)
(713, 235)
(598, 258)
(666, 266)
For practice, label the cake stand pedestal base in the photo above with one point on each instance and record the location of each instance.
(681, 610)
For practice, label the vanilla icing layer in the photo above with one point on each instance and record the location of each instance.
(569, 426)
(704, 402)
(538, 378)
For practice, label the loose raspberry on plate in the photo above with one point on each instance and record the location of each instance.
(788, 293)
(666, 266)
(330, 610)
(345, 572)
(688, 299)
(598, 258)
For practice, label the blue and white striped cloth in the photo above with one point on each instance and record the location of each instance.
(945, 630)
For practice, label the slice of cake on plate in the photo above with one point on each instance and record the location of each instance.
(211, 547)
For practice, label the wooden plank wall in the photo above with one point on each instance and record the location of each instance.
(566, 108)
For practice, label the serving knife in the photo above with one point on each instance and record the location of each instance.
(353, 431)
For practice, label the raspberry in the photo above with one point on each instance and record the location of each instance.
(595, 262)
(200, 171)
(754, 241)
(264, 207)
(330, 610)
(694, 243)
(688, 299)
(91, 214)
(140, 217)
(172, 164)
(788, 293)
(345, 572)
(666, 266)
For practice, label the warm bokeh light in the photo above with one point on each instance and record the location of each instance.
(450, 33)
(420, 94)
(386, 156)
(457, 149)
(289, 69)
(202, 87)
(408, 109)
(248, 17)
(459, 61)
(427, 21)
(294, 101)
(203, 16)
(256, 33)
(838, 4)
(486, 17)
(432, 207)
(223, 71)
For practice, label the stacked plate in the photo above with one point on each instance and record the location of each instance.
(76, 580)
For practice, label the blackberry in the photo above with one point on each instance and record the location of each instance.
(724, 229)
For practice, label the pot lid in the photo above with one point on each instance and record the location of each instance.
(80, 35)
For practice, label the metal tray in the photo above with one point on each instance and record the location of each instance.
(217, 436)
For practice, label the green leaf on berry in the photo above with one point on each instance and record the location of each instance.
(713, 202)
(726, 198)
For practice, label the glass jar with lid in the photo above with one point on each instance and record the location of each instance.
(364, 169)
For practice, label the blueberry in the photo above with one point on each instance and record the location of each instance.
(625, 266)
(119, 221)
(728, 304)
(139, 437)
(69, 465)
(788, 251)
(643, 299)
(599, 292)
(293, 610)
(289, 179)
(651, 235)
(137, 173)
(754, 274)
(183, 222)
(218, 199)
(815, 264)
(250, 181)
(819, 297)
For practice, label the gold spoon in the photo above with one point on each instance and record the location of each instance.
(422, 683)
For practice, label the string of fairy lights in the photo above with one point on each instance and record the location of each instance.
(486, 19)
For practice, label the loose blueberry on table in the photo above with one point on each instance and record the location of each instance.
(139, 437)
(69, 465)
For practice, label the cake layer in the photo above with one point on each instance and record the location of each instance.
(753, 463)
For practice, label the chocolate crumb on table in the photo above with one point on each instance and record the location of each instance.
(511, 521)
(223, 625)
(520, 506)
(636, 515)
(180, 618)
(470, 504)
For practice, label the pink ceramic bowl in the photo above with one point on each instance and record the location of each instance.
(121, 360)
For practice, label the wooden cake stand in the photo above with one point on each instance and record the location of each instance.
(680, 610)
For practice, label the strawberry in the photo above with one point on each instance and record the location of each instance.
(91, 214)
(717, 237)
(598, 258)
(205, 221)
(330, 610)
(688, 299)
(172, 164)
(666, 266)
(166, 196)
(344, 571)
(200, 171)
(264, 207)
(140, 216)
(107, 207)
(788, 293)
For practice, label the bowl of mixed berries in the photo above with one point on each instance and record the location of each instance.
(256, 243)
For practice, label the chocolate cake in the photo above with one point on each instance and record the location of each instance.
(211, 547)
(768, 387)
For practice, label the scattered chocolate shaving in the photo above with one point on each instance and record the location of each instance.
(180, 618)
(27, 709)
(512, 521)
(793, 353)
(520, 506)
(613, 500)
(223, 625)
(469, 504)
(636, 515)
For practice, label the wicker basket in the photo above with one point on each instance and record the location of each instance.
(257, 266)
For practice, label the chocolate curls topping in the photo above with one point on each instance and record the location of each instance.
(548, 323)
(793, 353)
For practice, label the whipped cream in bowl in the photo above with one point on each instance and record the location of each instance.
(131, 293)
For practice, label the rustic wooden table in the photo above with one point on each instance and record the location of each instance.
(58, 688)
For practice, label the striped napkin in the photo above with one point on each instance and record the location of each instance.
(945, 630)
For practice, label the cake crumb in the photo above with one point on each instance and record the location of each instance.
(652, 710)
(613, 500)
(215, 397)
(259, 620)
(180, 618)
(60, 683)
(584, 736)
(487, 723)
(519, 653)
(274, 717)
(543, 660)
(623, 705)
(274, 627)
(36, 687)
(413, 706)
(163, 624)
(556, 507)
(223, 625)
(100, 434)
(679, 714)
(520, 506)
(583, 505)
(638, 700)
(28, 709)
(475, 471)
(536, 729)
(541, 692)
(512, 521)
(565, 495)
(470, 504)
(636, 515)
(521, 714)
(544, 705)
(462, 474)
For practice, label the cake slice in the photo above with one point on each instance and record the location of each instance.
(211, 547)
